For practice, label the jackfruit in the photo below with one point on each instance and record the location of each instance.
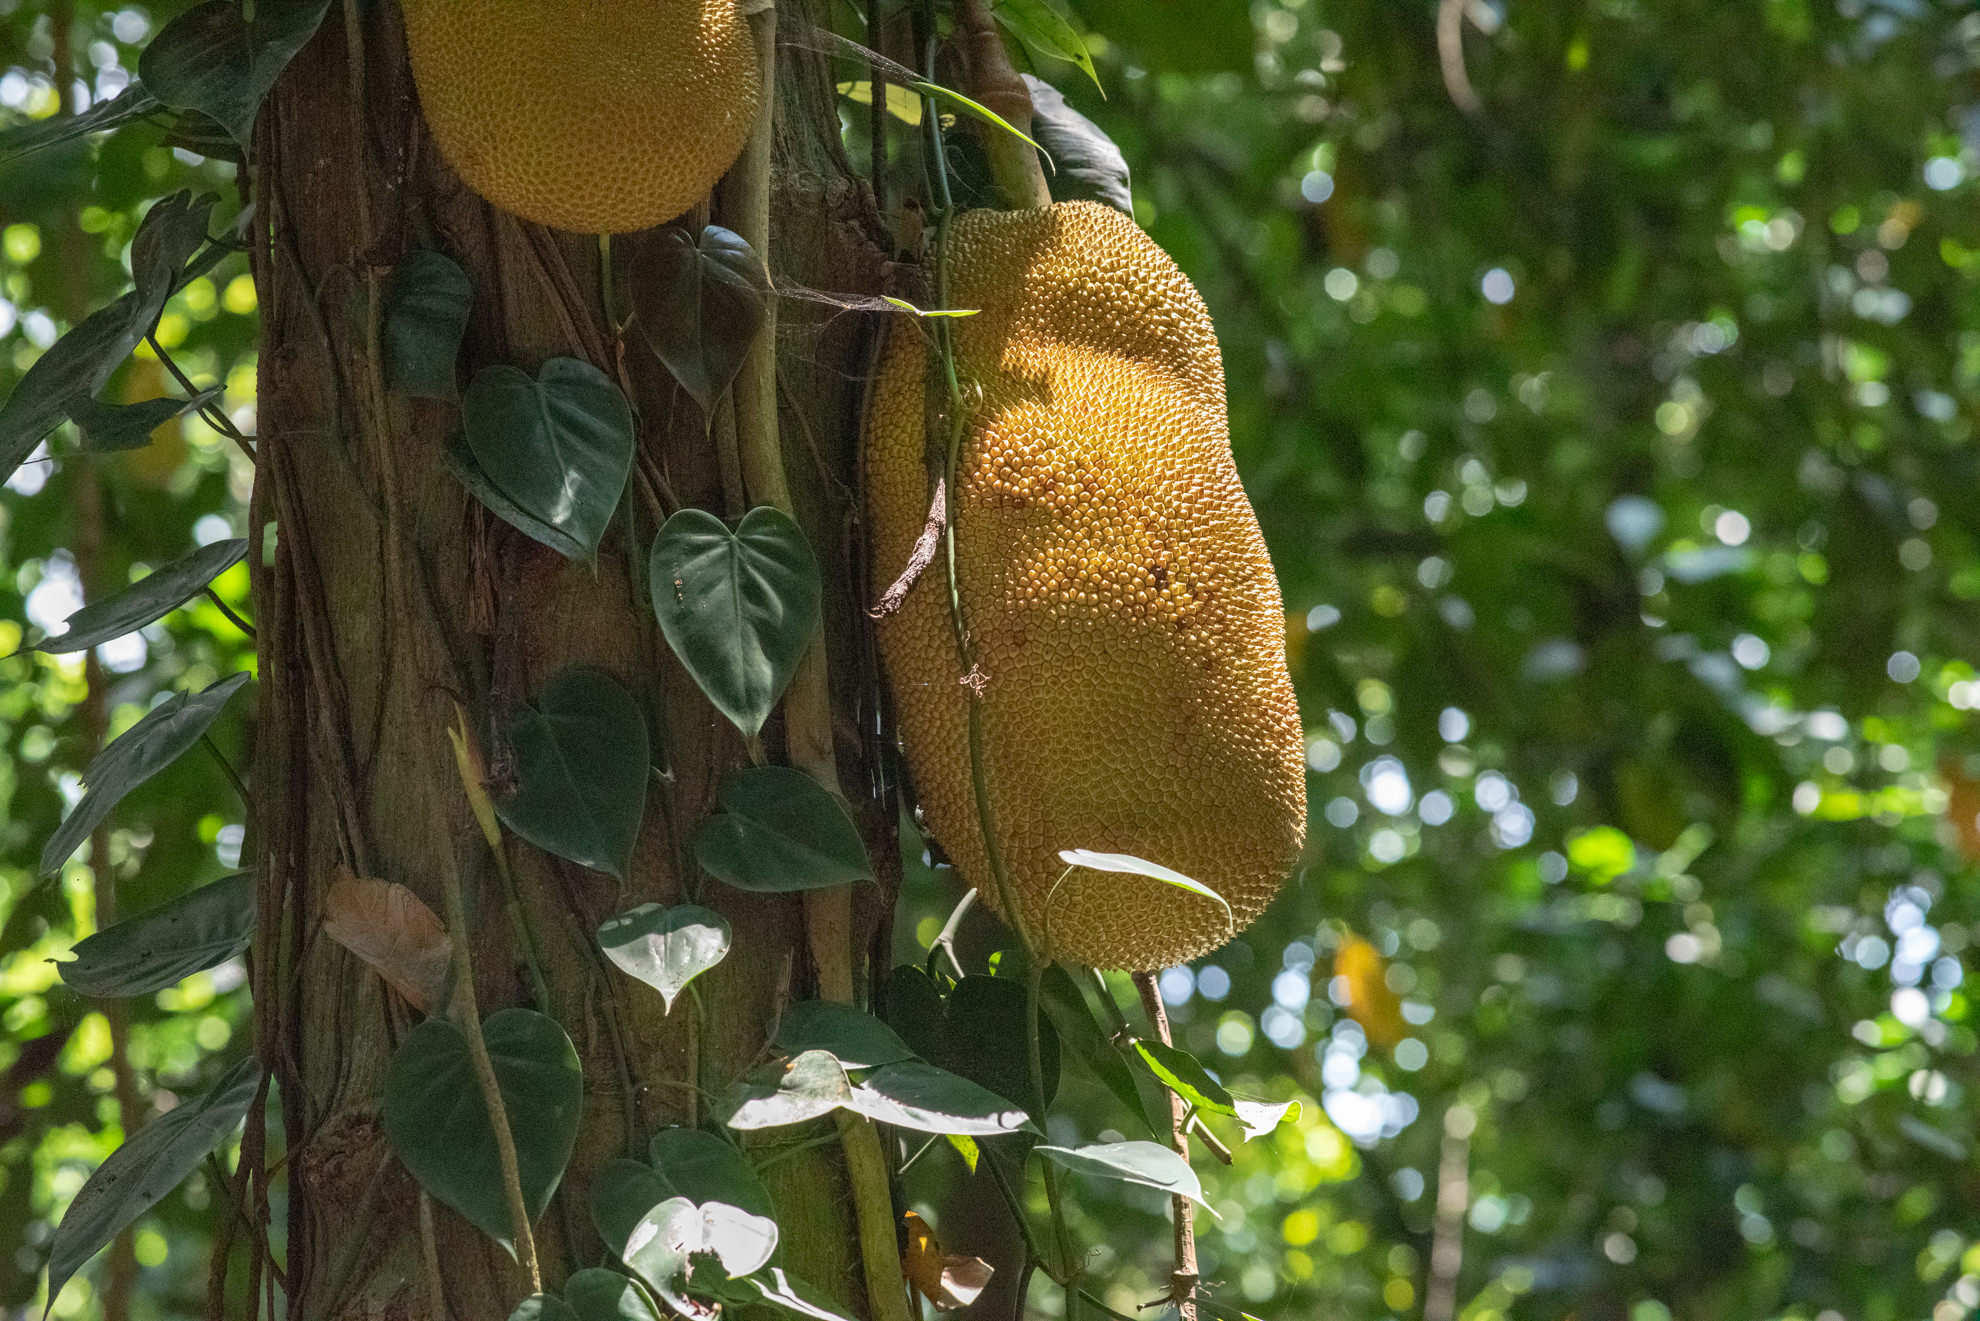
(1125, 621)
(599, 116)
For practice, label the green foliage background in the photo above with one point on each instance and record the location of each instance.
(1616, 449)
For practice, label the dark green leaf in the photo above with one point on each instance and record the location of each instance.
(171, 232)
(543, 1307)
(210, 60)
(558, 446)
(146, 601)
(427, 303)
(812, 1085)
(1089, 1042)
(582, 762)
(665, 947)
(1091, 167)
(127, 107)
(1045, 30)
(855, 1038)
(701, 302)
(702, 1167)
(439, 1128)
(738, 607)
(666, 1241)
(915, 1011)
(115, 428)
(142, 751)
(602, 1295)
(166, 944)
(917, 1095)
(988, 1039)
(466, 468)
(139, 1174)
(780, 831)
(1183, 1074)
(1147, 1163)
(58, 379)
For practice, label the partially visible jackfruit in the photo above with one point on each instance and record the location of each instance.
(599, 116)
(1125, 619)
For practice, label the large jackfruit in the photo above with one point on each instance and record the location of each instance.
(1125, 619)
(599, 116)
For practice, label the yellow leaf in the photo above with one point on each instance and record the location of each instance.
(947, 1280)
(1370, 1002)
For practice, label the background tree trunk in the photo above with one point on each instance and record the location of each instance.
(390, 596)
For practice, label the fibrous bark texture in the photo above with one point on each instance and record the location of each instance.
(387, 596)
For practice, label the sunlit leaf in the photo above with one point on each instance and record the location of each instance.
(1045, 30)
(665, 947)
(1147, 1163)
(916, 1095)
(668, 1238)
(809, 1087)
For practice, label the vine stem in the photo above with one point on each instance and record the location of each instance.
(808, 705)
(467, 1017)
(228, 611)
(1183, 1281)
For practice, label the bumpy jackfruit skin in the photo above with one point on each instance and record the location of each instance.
(599, 116)
(1126, 622)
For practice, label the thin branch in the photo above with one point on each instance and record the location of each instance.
(1183, 1280)
(1453, 1197)
(228, 611)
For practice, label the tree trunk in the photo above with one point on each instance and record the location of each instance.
(388, 596)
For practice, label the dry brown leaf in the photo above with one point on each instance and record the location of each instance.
(947, 1280)
(390, 928)
(1370, 1002)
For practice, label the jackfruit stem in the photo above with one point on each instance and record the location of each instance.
(995, 84)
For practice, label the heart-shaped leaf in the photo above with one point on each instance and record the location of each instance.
(116, 428)
(685, 1162)
(854, 1037)
(427, 302)
(142, 751)
(146, 601)
(700, 302)
(1147, 1163)
(557, 446)
(780, 830)
(466, 468)
(917, 1095)
(439, 1128)
(601, 1295)
(392, 930)
(986, 1037)
(812, 1085)
(1091, 167)
(172, 231)
(1183, 1074)
(138, 1175)
(582, 762)
(164, 945)
(668, 1238)
(211, 60)
(665, 947)
(738, 607)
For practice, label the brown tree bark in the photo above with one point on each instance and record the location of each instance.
(388, 595)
